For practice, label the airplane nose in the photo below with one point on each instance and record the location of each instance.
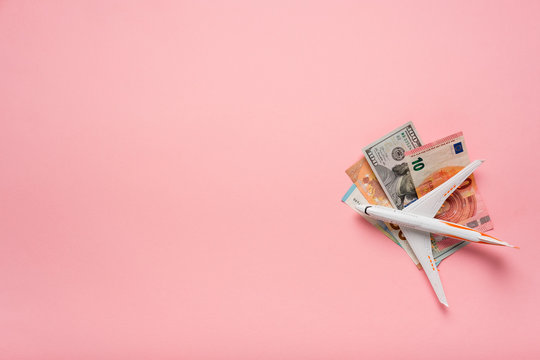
(361, 208)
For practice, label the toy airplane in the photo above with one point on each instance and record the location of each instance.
(416, 222)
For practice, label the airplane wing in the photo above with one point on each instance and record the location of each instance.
(420, 242)
(429, 204)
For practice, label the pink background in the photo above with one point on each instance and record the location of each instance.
(171, 176)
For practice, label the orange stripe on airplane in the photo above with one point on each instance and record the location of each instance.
(483, 242)
(489, 236)
(457, 226)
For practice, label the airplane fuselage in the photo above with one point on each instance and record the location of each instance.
(427, 224)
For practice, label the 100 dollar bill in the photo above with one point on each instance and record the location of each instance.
(386, 157)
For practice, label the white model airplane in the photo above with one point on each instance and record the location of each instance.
(416, 222)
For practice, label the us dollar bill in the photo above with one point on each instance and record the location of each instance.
(386, 157)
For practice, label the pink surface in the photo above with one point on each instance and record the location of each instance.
(172, 175)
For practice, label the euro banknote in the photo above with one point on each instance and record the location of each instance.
(367, 184)
(353, 197)
(386, 157)
(431, 165)
(371, 192)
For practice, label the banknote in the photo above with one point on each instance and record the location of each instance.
(431, 165)
(368, 185)
(386, 157)
(353, 197)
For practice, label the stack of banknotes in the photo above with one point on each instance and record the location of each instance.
(398, 169)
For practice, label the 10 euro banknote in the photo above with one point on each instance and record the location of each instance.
(430, 166)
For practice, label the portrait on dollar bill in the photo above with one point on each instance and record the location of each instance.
(398, 182)
(386, 157)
